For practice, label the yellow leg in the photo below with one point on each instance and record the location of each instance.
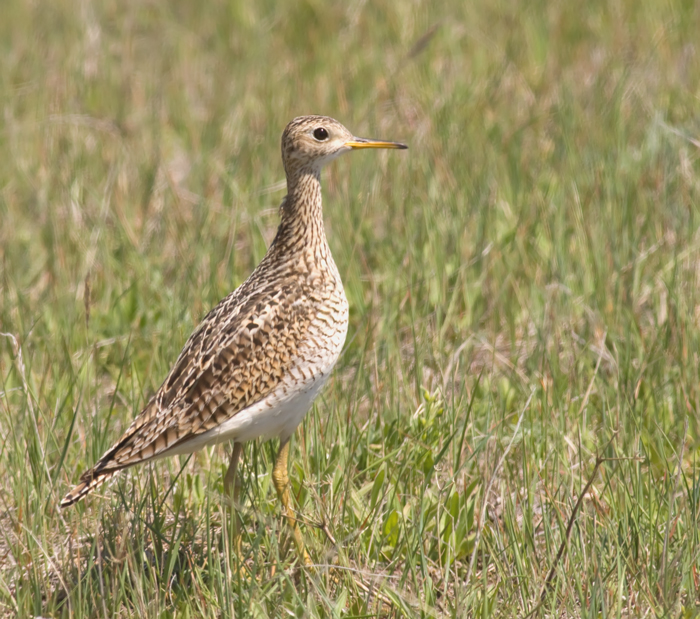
(281, 481)
(232, 487)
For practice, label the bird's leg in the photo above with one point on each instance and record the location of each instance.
(232, 487)
(281, 481)
(230, 478)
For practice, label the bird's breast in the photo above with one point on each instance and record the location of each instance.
(325, 336)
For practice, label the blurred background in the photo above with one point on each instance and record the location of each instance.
(523, 288)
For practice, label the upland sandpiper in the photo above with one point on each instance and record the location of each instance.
(257, 361)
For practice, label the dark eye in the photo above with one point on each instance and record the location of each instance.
(320, 134)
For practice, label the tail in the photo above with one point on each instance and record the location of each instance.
(89, 481)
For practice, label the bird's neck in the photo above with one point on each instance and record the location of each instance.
(301, 215)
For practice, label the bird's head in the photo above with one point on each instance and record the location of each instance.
(310, 142)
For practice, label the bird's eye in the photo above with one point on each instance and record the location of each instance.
(320, 134)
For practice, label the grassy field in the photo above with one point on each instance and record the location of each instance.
(524, 288)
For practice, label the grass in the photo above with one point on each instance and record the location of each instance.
(523, 287)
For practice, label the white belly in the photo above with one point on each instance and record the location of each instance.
(278, 414)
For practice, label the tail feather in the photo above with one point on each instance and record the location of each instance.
(89, 481)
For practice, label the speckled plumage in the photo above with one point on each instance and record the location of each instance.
(257, 360)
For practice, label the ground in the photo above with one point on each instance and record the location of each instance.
(524, 304)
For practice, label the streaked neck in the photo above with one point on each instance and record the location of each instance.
(301, 213)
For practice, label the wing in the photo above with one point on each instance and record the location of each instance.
(236, 357)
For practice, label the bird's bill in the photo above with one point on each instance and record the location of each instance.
(365, 143)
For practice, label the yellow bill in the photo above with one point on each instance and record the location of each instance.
(365, 143)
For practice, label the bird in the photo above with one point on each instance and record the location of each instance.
(255, 363)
